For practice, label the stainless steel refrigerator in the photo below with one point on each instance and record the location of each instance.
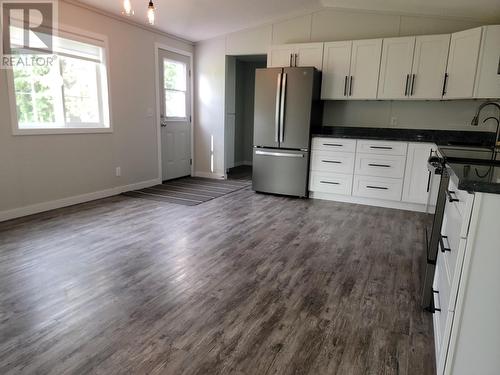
(287, 104)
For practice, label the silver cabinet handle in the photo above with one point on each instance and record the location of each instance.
(283, 154)
(381, 147)
(377, 187)
(333, 144)
(330, 183)
(331, 161)
(277, 115)
(379, 165)
(282, 117)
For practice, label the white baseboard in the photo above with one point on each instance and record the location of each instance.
(70, 201)
(369, 201)
(217, 176)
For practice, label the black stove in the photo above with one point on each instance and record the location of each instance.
(468, 155)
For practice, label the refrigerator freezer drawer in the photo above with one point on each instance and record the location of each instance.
(280, 171)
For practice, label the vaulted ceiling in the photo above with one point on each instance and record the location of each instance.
(203, 19)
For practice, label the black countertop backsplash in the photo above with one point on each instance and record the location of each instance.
(440, 137)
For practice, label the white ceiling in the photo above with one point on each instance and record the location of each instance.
(203, 19)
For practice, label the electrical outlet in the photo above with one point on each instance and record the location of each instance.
(394, 121)
(118, 171)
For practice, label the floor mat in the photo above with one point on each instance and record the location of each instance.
(189, 191)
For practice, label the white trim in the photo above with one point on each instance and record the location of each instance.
(157, 47)
(70, 201)
(369, 201)
(215, 176)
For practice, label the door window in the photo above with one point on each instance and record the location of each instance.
(175, 88)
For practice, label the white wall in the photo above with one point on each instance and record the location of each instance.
(37, 169)
(324, 25)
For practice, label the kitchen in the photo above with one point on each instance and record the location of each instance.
(289, 187)
(452, 175)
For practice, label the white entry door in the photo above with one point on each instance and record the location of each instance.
(175, 114)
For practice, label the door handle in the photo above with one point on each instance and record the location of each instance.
(330, 183)
(381, 147)
(282, 114)
(345, 85)
(283, 154)
(277, 114)
(291, 59)
(377, 187)
(296, 57)
(412, 84)
(379, 165)
(350, 87)
(441, 242)
(406, 84)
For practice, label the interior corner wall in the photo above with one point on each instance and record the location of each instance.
(38, 169)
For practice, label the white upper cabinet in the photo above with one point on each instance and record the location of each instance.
(417, 182)
(350, 69)
(429, 66)
(300, 55)
(488, 70)
(365, 66)
(336, 70)
(280, 56)
(462, 64)
(309, 54)
(395, 68)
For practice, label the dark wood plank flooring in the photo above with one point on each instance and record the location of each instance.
(244, 284)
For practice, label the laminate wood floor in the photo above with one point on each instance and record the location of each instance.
(244, 284)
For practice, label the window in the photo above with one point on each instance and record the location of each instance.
(71, 93)
(175, 86)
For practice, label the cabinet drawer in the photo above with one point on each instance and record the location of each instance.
(333, 144)
(378, 187)
(330, 183)
(380, 165)
(382, 147)
(330, 161)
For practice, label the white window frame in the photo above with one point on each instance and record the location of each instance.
(83, 36)
(186, 94)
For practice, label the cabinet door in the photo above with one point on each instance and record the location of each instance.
(462, 64)
(395, 67)
(336, 63)
(280, 56)
(417, 180)
(429, 66)
(365, 67)
(488, 71)
(309, 54)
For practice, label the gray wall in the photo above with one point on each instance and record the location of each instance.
(36, 169)
(445, 115)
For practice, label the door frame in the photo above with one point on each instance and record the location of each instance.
(165, 47)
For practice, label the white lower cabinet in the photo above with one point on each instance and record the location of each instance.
(334, 183)
(377, 170)
(377, 187)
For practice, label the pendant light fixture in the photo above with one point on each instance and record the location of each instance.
(151, 13)
(127, 8)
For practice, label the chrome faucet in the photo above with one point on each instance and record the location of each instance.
(475, 119)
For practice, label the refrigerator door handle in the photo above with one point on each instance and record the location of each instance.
(284, 154)
(277, 114)
(282, 114)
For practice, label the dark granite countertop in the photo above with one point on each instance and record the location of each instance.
(476, 178)
(440, 137)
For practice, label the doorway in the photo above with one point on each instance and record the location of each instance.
(174, 74)
(240, 94)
